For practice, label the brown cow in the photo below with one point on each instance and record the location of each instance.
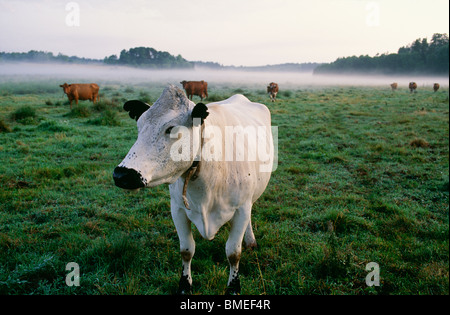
(82, 92)
(199, 88)
(412, 87)
(394, 86)
(436, 87)
(272, 89)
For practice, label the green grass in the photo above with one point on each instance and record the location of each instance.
(363, 177)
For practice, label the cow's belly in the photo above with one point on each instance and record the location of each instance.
(209, 222)
(208, 211)
(214, 204)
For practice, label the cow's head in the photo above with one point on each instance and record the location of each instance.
(149, 162)
(65, 87)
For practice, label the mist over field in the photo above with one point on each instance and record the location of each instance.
(81, 73)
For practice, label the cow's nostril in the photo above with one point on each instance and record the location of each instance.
(127, 178)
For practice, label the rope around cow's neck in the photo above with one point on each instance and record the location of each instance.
(192, 172)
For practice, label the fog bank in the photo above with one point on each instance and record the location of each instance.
(125, 75)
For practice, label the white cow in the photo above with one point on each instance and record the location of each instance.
(209, 192)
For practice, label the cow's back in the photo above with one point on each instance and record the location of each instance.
(234, 113)
(196, 87)
(238, 110)
(85, 91)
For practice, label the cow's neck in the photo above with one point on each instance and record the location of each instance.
(193, 172)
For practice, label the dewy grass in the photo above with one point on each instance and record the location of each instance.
(363, 176)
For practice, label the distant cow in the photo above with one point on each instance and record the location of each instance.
(272, 89)
(436, 87)
(199, 88)
(412, 86)
(394, 86)
(81, 92)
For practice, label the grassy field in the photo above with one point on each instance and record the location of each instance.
(363, 177)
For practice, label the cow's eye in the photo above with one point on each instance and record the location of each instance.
(169, 130)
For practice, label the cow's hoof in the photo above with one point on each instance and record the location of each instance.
(234, 288)
(251, 245)
(184, 287)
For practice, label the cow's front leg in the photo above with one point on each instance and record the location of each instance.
(233, 248)
(187, 249)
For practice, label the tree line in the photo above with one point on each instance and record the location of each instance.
(139, 57)
(146, 57)
(149, 58)
(43, 57)
(419, 57)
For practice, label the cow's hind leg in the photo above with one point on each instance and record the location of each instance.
(187, 249)
(239, 225)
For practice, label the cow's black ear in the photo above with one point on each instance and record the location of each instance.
(135, 108)
(200, 111)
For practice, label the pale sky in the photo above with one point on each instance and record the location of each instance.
(230, 32)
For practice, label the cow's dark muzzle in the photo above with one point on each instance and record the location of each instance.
(127, 178)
